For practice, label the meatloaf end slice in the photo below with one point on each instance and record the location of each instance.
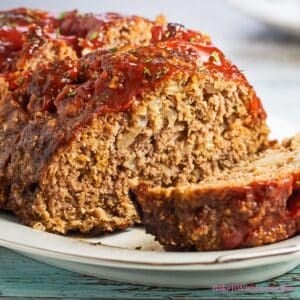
(253, 204)
(171, 113)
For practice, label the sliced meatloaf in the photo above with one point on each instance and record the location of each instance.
(172, 112)
(253, 204)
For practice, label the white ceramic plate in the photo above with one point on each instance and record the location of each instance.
(283, 15)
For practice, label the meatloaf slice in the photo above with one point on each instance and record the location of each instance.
(253, 204)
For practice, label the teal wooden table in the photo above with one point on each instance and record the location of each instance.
(23, 277)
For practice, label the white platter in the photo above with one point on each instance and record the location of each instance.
(283, 15)
(116, 257)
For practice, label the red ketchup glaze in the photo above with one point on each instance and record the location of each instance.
(73, 23)
(11, 41)
(191, 46)
(293, 205)
(179, 32)
(15, 25)
(22, 31)
(25, 17)
(256, 108)
(43, 85)
(118, 79)
(11, 38)
(112, 81)
(79, 31)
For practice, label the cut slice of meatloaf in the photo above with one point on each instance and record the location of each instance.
(253, 204)
(171, 112)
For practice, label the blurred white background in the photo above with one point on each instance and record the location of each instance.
(270, 59)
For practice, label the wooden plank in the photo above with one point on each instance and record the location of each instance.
(23, 277)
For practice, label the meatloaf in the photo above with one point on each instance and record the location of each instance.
(253, 204)
(170, 112)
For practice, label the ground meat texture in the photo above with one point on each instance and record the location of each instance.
(171, 112)
(253, 204)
